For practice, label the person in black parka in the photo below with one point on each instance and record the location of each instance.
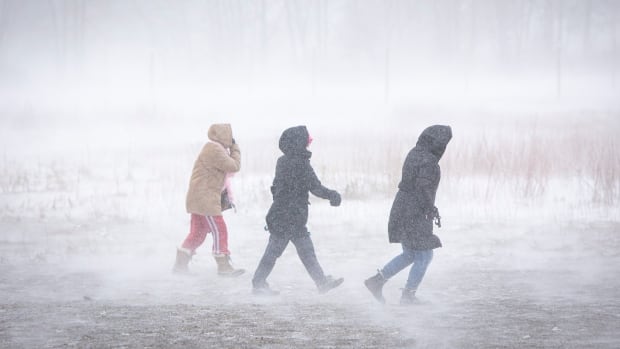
(288, 215)
(413, 213)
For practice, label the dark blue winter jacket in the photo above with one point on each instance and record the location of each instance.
(294, 179)
(411, 217)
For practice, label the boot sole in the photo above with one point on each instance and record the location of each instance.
(333, 285)
(265, 294)
(232, 274)
(180, 270)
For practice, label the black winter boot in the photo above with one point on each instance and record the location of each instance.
(329, 283)
(375, 286)
(408, 297)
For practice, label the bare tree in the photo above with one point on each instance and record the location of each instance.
(387, 20)
(614, 42)
(263, 29)
(587, 15)
(297, 20)
(4, 16)
(559, 46)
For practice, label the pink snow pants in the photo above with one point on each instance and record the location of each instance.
(200, 226)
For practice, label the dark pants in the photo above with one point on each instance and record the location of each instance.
(275, 247)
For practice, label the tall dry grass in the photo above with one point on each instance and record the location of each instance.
(513, 158)
(573, 160)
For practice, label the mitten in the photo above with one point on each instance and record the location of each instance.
(334, 198)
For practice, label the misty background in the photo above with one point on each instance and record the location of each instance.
(83, 55)
(104, 106)
(530, 88)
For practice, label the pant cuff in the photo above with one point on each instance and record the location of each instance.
(186, 251)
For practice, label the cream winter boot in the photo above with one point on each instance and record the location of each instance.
(183, 257)
(224, 268)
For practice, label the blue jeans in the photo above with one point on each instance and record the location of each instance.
(420, 259)
(275, 247)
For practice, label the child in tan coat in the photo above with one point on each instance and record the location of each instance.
(207, 197)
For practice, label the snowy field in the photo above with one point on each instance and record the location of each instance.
(104, 106)
(90, 216)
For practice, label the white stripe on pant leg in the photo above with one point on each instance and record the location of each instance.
(216, 234)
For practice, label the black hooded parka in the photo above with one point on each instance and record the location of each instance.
(294, 179)
(411, 217)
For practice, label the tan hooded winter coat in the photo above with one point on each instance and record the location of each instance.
(209, 173)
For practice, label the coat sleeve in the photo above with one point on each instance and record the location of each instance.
(228, 163)
(315, 186)
(409, 174)
(425, 183)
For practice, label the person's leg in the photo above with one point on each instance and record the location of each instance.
(197, 233)
(195, 238)
(398, 263)
(217, 226)
(421, 261)
(305, 251)
(375, 283)
(273, 251)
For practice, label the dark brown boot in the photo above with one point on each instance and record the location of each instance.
(408, 297)
(375, 286)
(224, 268)
(183, 258)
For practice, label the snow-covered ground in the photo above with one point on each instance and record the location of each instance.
(90, 216)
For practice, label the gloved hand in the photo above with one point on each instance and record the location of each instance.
(334, 198)
(234, 146)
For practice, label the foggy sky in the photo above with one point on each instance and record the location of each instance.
(139, 48)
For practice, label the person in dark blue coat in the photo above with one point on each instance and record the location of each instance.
(288, 215)
(413, 213)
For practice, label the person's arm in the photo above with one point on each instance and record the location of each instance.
(228, 163)
(425, 183)
(319, 190)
